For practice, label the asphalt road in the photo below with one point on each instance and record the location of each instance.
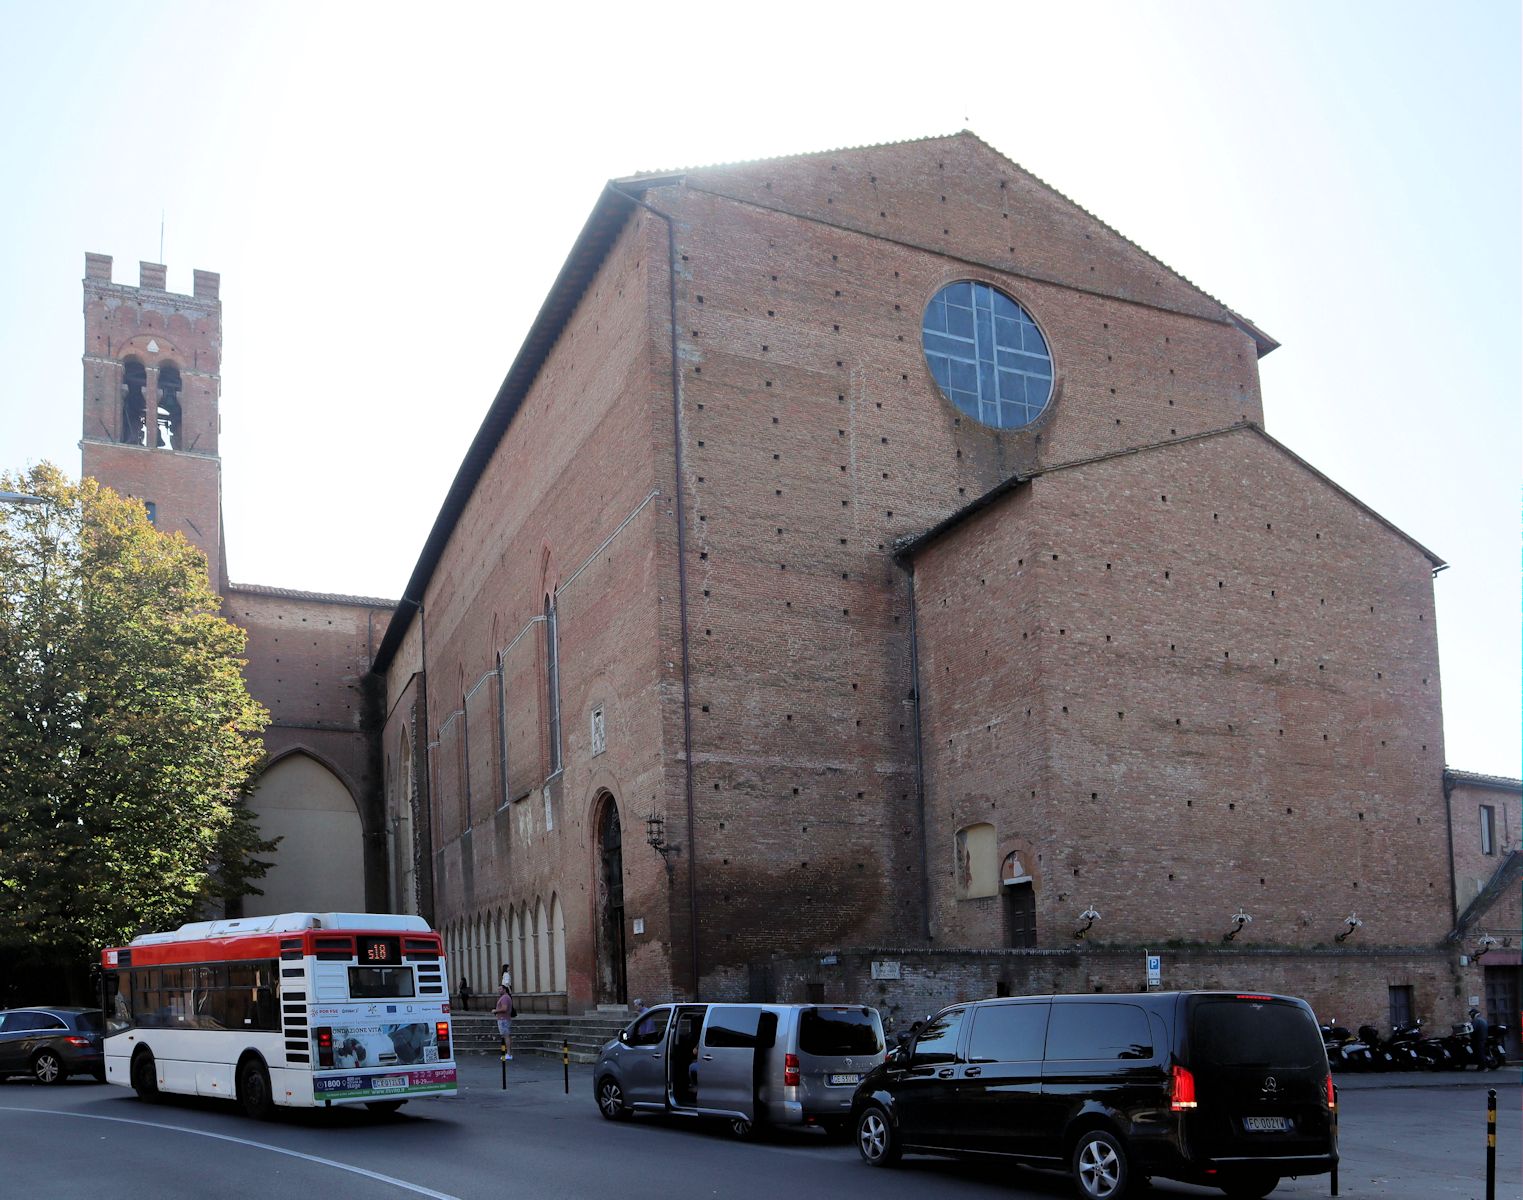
(91, 1140)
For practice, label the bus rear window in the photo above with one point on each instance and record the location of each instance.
(380, 983)
(840, 1031)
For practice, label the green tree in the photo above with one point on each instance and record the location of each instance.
(128, 739)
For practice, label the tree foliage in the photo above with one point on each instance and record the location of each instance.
(128, 738)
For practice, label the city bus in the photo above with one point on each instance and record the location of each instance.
(299, 1010)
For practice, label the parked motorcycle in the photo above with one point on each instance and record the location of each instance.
(1461, 1048)
(1413, 1051)
(1334, 1038)
(1495, 1053)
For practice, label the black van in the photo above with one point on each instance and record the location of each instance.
(1225, 1089)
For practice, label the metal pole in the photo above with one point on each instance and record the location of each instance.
(1491, 1144)
(566, 1066)
(504, 1056)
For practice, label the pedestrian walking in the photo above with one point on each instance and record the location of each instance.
(1478, 1028)
(505, 1012)
(507, 977)
(465, 992)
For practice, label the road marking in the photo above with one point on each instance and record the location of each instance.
(223, 1137)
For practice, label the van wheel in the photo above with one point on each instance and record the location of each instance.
(1250, 1186)
(610, 1097)
(741, 1129)
(254, 1090)
(1100, 1168)
(876, 1140)
(145, 1078)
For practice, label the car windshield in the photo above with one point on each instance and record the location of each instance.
(1254, 1033)
(840, 1031)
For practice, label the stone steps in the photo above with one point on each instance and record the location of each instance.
(539, 1034)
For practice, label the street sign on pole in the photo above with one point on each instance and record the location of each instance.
(1155, 970)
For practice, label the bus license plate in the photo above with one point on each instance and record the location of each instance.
(1266, 1124)
(843, 1079)
(381, 1083)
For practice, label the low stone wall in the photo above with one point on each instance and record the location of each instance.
(1351, 985)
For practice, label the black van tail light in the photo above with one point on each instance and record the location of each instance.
(791, 1077)
(1181, 1089)
(1255, 997)
(441, 1031)
(1332, 1094)
(324, 1035)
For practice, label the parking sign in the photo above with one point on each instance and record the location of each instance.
(1155, 970)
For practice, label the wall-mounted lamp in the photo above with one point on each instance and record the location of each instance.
(1238, 921)
(655, 835)
(1089, 916)
(1483, 946)
(1353, 923)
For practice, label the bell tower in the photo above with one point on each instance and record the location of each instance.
(152, 376)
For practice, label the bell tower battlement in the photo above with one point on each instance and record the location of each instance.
(152, 387)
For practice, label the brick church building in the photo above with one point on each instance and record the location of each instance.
(873, 580)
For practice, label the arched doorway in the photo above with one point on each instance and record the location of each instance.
(319, 865)
(613, 983)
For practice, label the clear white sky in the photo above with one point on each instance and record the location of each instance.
(388, 191)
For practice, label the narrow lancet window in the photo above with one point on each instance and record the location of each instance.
(169, 408)
(134, 403)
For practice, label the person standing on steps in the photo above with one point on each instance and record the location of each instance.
(504, 1012)
(507, 977)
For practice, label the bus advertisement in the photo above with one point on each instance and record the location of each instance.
(297, 1010)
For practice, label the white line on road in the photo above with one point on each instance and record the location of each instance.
(223, 1137)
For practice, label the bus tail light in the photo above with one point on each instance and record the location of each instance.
(324, 1035)
(791, 1076)
(441, 1030)
(1181, 1089)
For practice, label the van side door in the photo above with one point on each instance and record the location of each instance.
(925, 1090)
(727, 1060)
(999, 1088)
(1101, 1053)
(642, 1058)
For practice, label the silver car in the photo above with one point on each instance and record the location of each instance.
(779, 1064)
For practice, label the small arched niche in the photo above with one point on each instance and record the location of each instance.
(977, 862)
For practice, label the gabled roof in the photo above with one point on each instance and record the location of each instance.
(601, 230)
(906, 548)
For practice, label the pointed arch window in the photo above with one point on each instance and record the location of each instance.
(552, 683)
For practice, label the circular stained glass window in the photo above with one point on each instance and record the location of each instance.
(987, 355)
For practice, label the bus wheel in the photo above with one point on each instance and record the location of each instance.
(384, 1106)
(145, 1078)
(254, 1090)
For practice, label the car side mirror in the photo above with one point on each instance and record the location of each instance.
(624, 1036)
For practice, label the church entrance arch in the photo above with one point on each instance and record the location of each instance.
(319, 865)
(613, 982)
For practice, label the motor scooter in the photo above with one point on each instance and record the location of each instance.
(1412, 1051)
(1495, 1052)
(1334, 1038)
(1461, 1047)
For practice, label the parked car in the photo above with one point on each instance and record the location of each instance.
(50, 1044)
(1223, 1089)
(782, 1064)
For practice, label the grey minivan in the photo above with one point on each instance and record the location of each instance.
(778, 1064)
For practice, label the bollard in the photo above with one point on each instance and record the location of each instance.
(1333, 1117)
(1491, 1144)
(504, 1057)
(566, 1066)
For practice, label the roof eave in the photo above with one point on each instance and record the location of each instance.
(597, 237)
